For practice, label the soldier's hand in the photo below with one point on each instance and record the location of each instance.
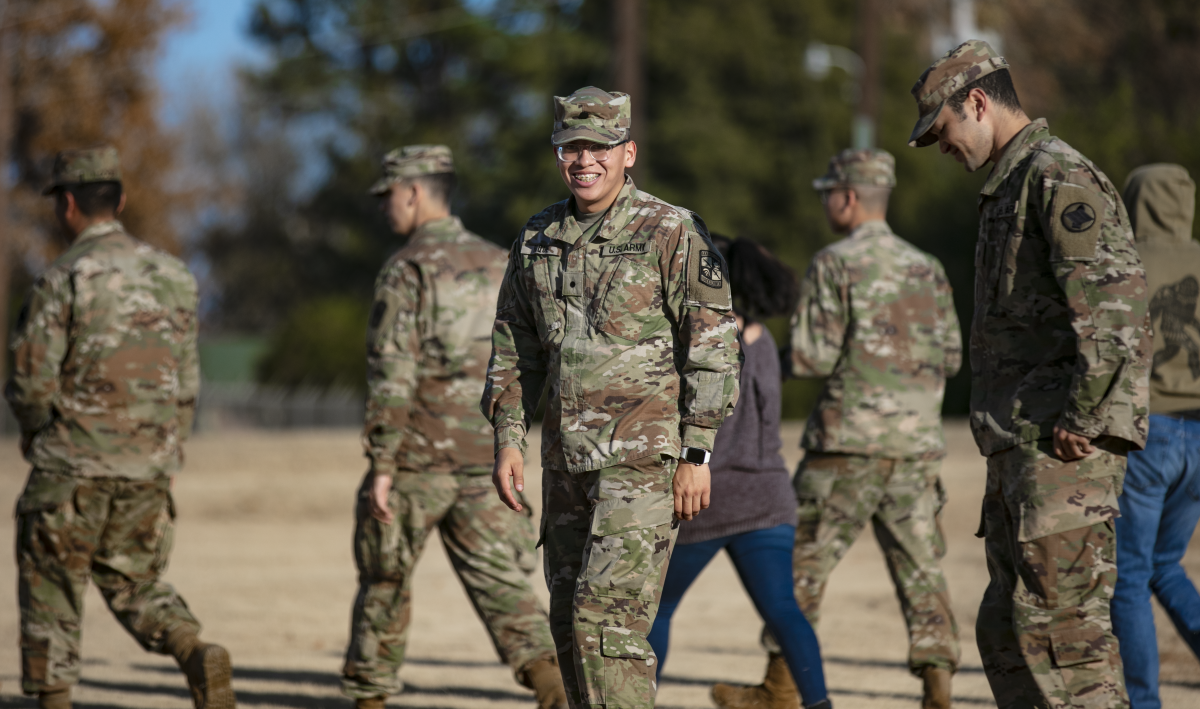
(691, 486)
(380, 487)
(1071, 446)
(509, 464)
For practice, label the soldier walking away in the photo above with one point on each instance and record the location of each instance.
(1059, 352)
(1160, 505)
(104, 384)
(876, 317)
(430, 449)
(619, 302)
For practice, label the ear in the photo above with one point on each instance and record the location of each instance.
(69, 204)
(121, 204)
(630, 154)
(977, 104)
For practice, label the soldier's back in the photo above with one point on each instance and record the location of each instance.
(124, 315)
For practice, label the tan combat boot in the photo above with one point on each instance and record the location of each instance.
(937, 688)
(777, 691)
(547, 684)
(372, 703)
(207, 668)
(55, 698)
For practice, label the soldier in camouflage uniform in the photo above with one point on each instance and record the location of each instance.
(618, 301)
(430, 449)
(876, 317)
(1059, 353)
(104, 384)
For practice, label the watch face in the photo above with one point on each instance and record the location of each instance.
(695, 456)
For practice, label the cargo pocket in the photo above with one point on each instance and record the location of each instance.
(1080, 646)
(813, 485)
(626, 684)
(630, 545)
(164, 532)
(378, 546)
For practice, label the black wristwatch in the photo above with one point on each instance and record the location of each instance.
(696, 456)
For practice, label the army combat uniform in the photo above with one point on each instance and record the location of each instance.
(633, 332)
(1059, 338)
(876, 317)
(428, 343)
(104, 385)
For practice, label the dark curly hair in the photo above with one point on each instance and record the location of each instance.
(763, 287)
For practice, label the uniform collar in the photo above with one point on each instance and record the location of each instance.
(1016, 150)
(96, 231)
(618, 216)
(442, 230)
(875, 227)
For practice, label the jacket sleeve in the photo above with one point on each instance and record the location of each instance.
(393, 351)
(1097, 267)
(38, 347)
(517, 369)
(189, 368)
(821, 319)
(951, 332)
(697, 300)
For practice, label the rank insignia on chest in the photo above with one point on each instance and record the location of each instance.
(710, 270)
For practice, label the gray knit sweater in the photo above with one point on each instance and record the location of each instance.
(750, 484)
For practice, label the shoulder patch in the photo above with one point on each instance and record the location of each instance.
(707, 282)
(1075, 221)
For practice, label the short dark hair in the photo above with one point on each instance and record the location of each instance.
(440, 186)
(762, 286)
(998, 86)
(96, 198)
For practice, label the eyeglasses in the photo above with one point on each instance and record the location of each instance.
(574, 151)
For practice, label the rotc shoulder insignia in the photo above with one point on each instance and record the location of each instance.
(706, 283)
(710, 270)
(1075, 221)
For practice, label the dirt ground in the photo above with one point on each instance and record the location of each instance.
(263, 557)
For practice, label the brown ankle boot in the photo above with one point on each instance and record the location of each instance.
(206, 667)
(937, 688)
(55, 698)
(372, 703)
(547, 684)
(777, 691)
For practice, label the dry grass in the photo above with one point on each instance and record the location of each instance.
(263, 557)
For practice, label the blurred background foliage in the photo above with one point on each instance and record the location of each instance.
(287, 243)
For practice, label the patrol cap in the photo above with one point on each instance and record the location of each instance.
(413, 161)
(967, 62)
(77, 167)
(876, 168)
(593, 115)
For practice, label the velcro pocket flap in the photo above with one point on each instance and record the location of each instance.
(46, 491)
(620, 514)
(624, 643)
(1079, 646)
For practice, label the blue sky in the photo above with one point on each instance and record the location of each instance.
(199, 59)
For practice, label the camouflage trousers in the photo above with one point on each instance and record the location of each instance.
(608, 536)
(1044, 628)
(116, 532)
(491, 549)
(837, 495)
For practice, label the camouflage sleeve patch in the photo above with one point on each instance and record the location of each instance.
(707, 282)
(1076, 216)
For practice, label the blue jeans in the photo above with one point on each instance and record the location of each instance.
(763, 559)
(1159, 511)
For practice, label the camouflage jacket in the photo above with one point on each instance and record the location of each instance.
(428, 343)
(876, 316)
(105, 371)
(633, 330)
(1061, 333)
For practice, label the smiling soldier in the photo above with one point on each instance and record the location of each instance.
(619, 301)
(1059, 395)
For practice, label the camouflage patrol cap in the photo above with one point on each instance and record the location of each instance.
(876, 168)
(77, 167)
(413, 161)
(593, 115)
(967, 62)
